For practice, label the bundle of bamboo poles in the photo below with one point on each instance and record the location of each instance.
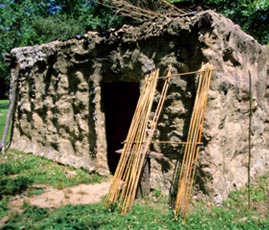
(126, 178)
(192, 146)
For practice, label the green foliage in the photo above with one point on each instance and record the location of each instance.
(3, 114)
(252, 15)
(32, 22)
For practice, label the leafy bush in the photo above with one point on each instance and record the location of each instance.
(32, 22)
(54, 28)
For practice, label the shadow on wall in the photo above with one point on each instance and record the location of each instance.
(119, 103)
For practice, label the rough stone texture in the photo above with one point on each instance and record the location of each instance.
(60, 110)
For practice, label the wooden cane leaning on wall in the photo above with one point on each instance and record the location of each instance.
(12, 101)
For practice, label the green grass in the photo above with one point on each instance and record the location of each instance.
(141, 217)
(3, 114)
(39, 170)
(19, 171)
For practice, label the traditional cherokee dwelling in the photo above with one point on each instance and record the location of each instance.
(76, 98)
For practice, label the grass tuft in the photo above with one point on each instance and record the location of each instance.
(3, 114)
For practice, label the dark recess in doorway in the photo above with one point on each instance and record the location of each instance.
(119, 103)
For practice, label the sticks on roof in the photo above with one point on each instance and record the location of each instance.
(141, 12)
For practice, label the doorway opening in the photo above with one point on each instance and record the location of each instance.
(119, 103)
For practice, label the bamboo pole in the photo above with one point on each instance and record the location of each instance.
(249, 135)
(169, 142)
(181, 202)
(153, 127)
(127, 200)
(196, 154)
(191, 152)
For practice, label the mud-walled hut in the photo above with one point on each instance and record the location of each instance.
(76, 98)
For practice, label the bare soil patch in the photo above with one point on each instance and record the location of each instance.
(54, 198)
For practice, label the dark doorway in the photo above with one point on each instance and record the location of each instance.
(119, 103)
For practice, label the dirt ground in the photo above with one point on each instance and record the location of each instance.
(54, 198)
